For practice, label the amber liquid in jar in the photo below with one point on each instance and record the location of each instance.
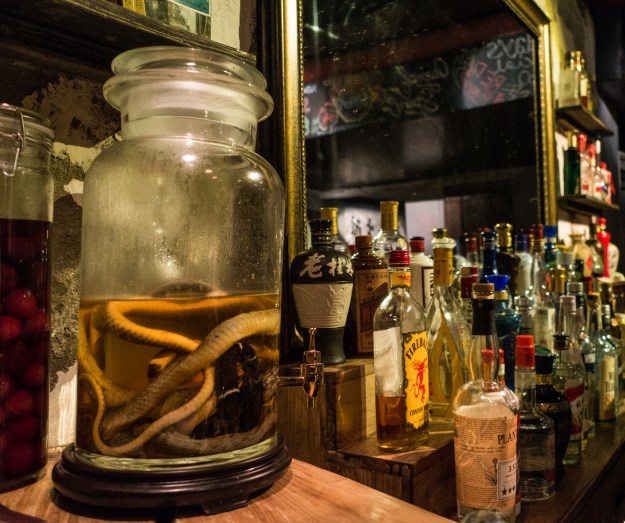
(154, 380)
(24, 346)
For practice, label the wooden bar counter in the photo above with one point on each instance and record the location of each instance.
(304, 493)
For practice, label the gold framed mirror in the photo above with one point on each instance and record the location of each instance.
(290, 54)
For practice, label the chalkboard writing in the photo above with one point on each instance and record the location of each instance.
(495, 71)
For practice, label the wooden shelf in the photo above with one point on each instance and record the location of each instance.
(585, 205)
(578, 118)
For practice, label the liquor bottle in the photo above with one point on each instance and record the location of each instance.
(400, 363)
(524, 278)
(553, 404)
(489, 256)
(507, 260)
(471, 250)
(588, 351)
(581, 251)
(585, 169)
(610, 251)
(370, 288)
(523, 308)
(605, 382)
(596, 250)
(486, 423)
(568, 379)
(332, 213)
(537, 433)
(550, 232)
(506, 323)
(572, 165)
(566, 261)
(322, 283)
(575, 86)
(421, 273)
(542, 299)
(468, 276)
(614, 344)
(388, 237)
(449, 337)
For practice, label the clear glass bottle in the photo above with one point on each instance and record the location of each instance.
(370, 288)
(568, 379)
(26, 204)
(421, 273)
(388, 237)
(523, 308)
(537, 433)
(486, 423)
(400, 363)
(521, 249)
(468, 276)
(166, 295)
(449, 337)
(471, 250)
(610, 251)
(553, 404)
(596, 250)
(507, 324)
(544, 313)
(332, 214)
(581, 251)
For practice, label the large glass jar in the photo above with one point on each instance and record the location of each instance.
(181, 269)
(26, 203)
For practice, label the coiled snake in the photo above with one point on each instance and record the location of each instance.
(119, 427)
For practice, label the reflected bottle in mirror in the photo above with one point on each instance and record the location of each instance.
(388, 237)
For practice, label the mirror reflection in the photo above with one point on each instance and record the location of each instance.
(428, 103)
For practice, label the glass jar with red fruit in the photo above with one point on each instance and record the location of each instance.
(26, 201)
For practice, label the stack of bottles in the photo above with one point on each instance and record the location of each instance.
(513, 340)
(585, 173)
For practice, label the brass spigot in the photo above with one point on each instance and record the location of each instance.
(311, 372)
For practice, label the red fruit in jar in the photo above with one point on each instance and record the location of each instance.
(36, 324)
(18, 459)
(3, 415)
(16, 358)
(7, 385)
(20, 403)
(5, 441)
(10, 329)
(33, 376)
(19, 249)
(8, 278)
(20, 303)
(39, 350)
(25, 428)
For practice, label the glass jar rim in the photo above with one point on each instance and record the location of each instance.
(35, 126)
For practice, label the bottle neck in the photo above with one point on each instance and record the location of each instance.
(389, 221)
(484, 339)
(544, 380)
(443, 267)
(525, 387)
(399, 277)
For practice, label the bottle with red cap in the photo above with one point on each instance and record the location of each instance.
(400, 359)
(421, 272)
(536, 430)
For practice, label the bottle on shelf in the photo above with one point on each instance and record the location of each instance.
(609, 251)
(486, 423)
(468, 276)
(543, 304)
(585, 179)
(421, 272)
(537, 433)
(608, 182)
(388, 237)
(192, 16)
(507, 260)
(551, 249)
(370, 288)
(521, 249)
(471, 250)
(581, 251)
(400, 363)
(449, 337)
(489, 256)
(596, 250)
(553, 404)
(575, 86)
(572, 166)
(614, 343)
(138, 6)
(332, 214)
(506, 324)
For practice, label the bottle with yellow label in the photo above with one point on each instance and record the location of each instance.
(401, 363)
(449, 337)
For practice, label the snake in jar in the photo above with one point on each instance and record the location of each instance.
(118, 407)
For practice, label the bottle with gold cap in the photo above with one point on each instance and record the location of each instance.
(388, 237)
(507, 260)
(448, 332)
(332, 213)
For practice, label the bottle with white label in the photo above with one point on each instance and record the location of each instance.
(400, 360)
(421, 272)
(486, 423)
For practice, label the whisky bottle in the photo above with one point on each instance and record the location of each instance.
(553, 404)
(421, 273)
(400, 362)
(331, 213)
(449, 337)
(537, 433)
(388, 237)
(486, 423)
(370, 288)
